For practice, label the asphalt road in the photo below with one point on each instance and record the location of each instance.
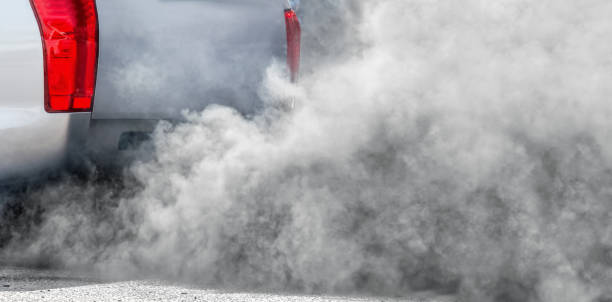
(17, 284)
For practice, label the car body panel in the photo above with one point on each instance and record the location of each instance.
(21, 63)
(32, 140)
(41, 144)
(158, 57)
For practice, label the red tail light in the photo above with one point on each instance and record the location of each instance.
(69, 31)
(294, 36)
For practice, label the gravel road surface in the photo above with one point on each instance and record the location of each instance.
(18, 284)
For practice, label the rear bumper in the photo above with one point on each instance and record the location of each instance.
(35, 143)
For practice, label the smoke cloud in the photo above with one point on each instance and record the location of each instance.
(456, 146)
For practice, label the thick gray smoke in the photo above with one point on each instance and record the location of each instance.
(458, 146)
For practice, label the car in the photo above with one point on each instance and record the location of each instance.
(86, 77)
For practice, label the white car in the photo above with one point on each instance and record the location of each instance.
(80, 77)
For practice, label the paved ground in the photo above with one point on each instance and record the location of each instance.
(18, 284)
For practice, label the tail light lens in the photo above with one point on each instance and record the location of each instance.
(294, 36)
(69, 31)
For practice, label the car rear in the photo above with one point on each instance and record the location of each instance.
(159, 58)
(110, 70)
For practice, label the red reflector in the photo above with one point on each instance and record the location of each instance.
(294, 37)
(81, 103)
(69, 31)
(59, 103)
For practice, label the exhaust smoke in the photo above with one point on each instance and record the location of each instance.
(456, 146)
